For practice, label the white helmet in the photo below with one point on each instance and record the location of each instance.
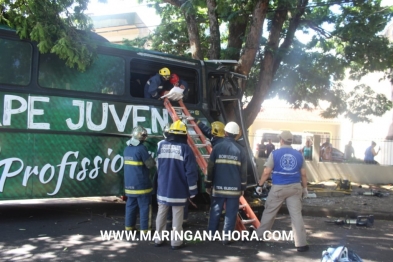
(232, 128)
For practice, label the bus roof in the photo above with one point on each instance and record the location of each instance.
(100, 41)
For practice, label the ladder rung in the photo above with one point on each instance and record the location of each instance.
(201, 145)
(187, 117)
(242, 206)
(177, 107)
(194, 135)
(205, 156)
(247, 221)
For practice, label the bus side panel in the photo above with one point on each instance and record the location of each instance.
(15, 150)
(60, 166)
(55, 146)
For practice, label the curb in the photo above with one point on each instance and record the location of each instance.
(340, 213)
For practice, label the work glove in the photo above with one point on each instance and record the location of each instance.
(209, 191)
(259, 190)
(305, 193)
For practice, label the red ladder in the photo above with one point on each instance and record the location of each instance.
(195, 140)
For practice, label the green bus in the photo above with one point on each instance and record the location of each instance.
(63, 132)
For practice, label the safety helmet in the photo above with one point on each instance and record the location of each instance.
(178, 128)
(139, 133)
(165, 73)
(232, 128)
(174, 79)
(165, 130)
(218, 129)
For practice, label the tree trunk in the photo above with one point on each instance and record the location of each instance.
(252, 45)
(267, 67)
(192, 28)
(215, 45)
(237, 29)
(193, 36)
(273, 57)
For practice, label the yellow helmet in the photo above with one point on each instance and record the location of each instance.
(178, 128)
(218, 129)
(165, 73)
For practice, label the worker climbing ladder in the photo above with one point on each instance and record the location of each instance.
(197, 141)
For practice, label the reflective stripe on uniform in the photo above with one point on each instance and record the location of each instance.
(138, 191)
(284, 173)
(171, 200)
(226, 161)
(227, 192)
(171, 155)
(133, 163)
(192, 187)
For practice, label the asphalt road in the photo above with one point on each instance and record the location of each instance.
(69, 230)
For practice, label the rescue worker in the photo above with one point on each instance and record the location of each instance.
(155, 84)
(138, 187)
(289, 185)
(165, 134)
(176, 81)
(215, 134)
(177, 180)
(176, 89)
(226, 180)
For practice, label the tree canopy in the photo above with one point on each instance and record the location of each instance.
(298, 50)
(59, 27)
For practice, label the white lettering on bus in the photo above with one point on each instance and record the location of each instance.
(156, 117)
(8, 111)
(85, 114)
(136, 119)
(36, 112)
(120, 124)
(51, 169)
(89, 121)
(81, 105)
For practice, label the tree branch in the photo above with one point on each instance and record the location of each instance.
(267, 64)
(294, 23)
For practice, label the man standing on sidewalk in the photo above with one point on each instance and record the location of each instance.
(289, 184)
(176, 180)
(226, 180)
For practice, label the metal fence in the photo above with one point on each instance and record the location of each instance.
(384, 157)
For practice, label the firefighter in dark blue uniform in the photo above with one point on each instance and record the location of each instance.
(138, 187)
(226, 180)
(177, 180)
(155, 84)
(215, 134)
